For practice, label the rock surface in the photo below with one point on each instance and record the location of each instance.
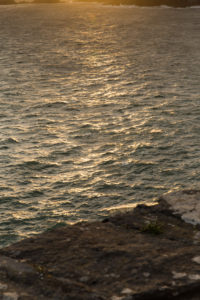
(147, 253)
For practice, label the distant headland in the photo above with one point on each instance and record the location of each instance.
(6, 2)
(171, 3)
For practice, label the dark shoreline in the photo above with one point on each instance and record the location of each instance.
(149, 3)
(139, 3)
(149, 253)
(7, 2)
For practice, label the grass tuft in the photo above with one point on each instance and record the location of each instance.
(153, 227)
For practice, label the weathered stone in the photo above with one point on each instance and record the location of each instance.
(3, 286)
(196, 259)
(84, 279)
(178, 275)
(186, 203)
(127, 291)
(17, 270)
(10, 296)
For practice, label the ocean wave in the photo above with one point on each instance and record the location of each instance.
(9, 141)
(35, 165)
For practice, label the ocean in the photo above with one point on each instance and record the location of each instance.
(99, 111)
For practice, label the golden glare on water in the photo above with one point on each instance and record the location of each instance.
(99, 110)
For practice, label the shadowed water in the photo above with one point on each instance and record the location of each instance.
(99, 109)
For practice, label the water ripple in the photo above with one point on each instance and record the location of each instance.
(98, 111)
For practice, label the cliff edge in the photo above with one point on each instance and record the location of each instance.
(152, 252)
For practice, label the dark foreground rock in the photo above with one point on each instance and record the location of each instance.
(148, 253)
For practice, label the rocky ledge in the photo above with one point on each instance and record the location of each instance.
(152, 252)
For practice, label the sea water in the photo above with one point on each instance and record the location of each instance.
(99, 109)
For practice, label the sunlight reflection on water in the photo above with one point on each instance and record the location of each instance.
(99, 110)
